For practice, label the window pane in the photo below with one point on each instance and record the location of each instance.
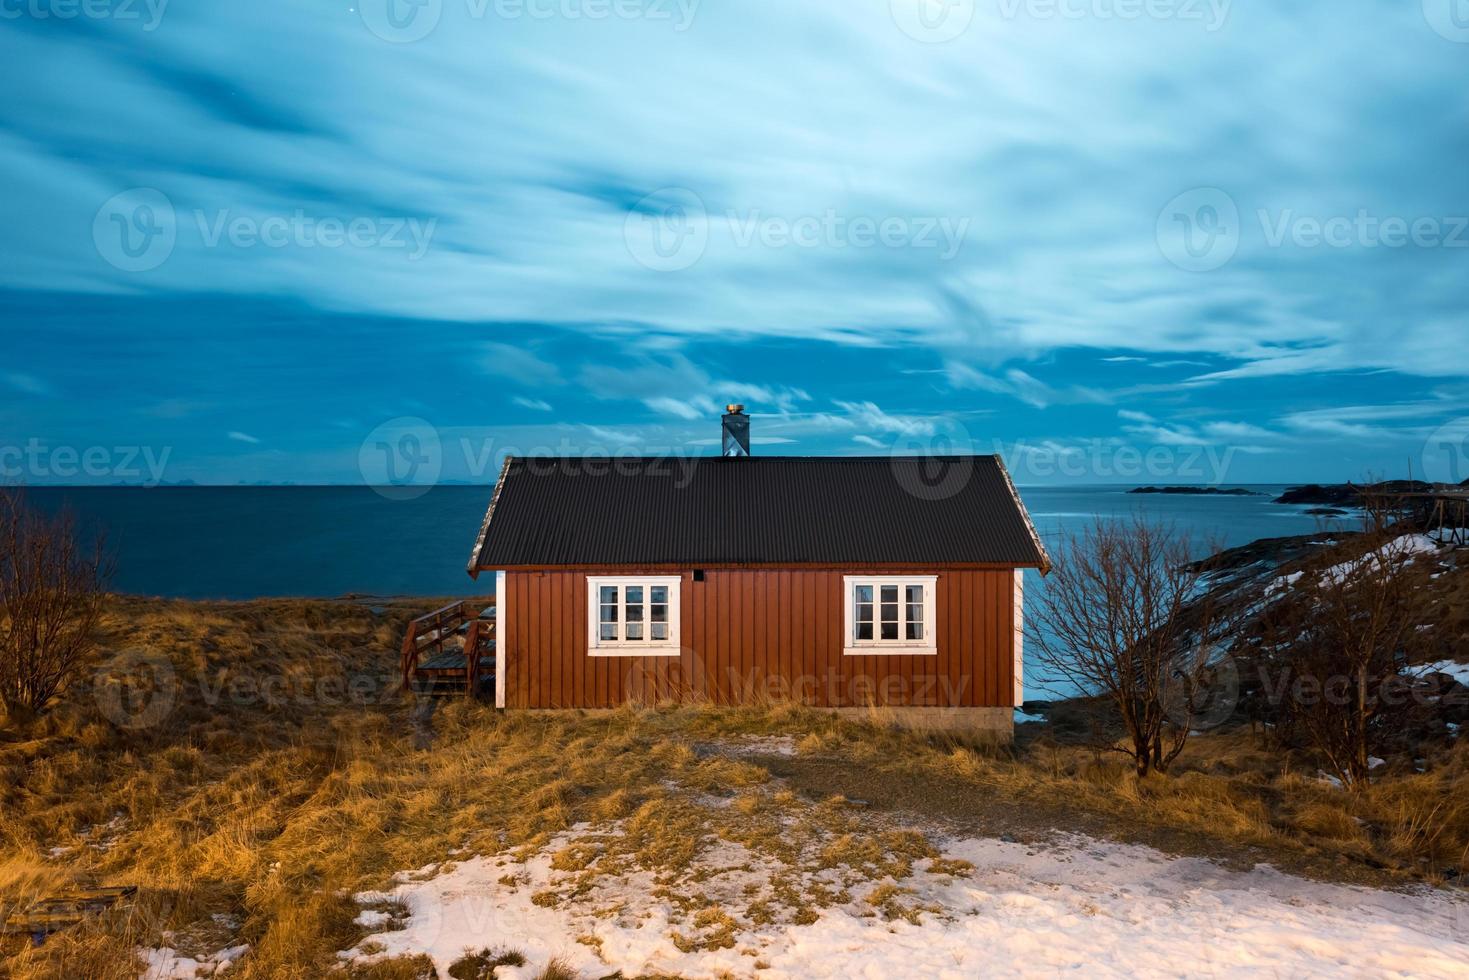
(862, 612)
(609, 631)
(889, 612)
(660, 631)
(634, 614)
(658, 593)
(634, 631)
(913, 614)
(658, 614)
(609, 614)
(633, 593)
(609, 594)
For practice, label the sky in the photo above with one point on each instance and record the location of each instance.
(1116, 241)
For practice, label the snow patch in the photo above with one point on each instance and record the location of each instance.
(1400, 549)
(1082, 906)
(745, 745)
(1456, 670)
(170, 964)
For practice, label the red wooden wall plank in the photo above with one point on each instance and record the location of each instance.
(746, 632)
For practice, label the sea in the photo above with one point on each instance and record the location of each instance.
(254, 542)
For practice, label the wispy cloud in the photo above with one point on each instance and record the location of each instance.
(532, 290)
(244, 437)
(1366, 421)
(26, 384)
(517, 364)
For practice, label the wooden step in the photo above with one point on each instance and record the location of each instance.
(67, 909)
(445, 684)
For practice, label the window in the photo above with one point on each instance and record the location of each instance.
(889, 614)
(633, 616)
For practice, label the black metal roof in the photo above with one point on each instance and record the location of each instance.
(756, 510)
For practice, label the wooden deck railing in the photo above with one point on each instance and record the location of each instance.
(432, 630)
(478, 642)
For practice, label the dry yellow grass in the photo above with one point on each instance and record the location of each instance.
(265, 796)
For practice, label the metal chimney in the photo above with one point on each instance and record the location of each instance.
(736, 429)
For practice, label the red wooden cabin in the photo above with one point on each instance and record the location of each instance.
(840, 582)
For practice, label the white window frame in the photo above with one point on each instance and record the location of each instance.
(853, 647)
(647, 647)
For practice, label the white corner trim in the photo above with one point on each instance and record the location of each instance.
(598, 647)
(499, 639)
(1019, 638)
(927, 647)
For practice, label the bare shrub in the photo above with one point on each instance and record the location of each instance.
(1339, 640)
(1121, 619)
(52, 588)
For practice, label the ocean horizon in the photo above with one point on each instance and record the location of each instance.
(284, 541)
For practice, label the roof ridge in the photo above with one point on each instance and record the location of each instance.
(765, 459)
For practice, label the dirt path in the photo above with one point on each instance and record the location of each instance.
(967, 810)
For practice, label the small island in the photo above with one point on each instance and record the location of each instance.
(1200, 491)
(1352, 494)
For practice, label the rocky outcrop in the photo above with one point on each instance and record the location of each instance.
(1200, 491)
